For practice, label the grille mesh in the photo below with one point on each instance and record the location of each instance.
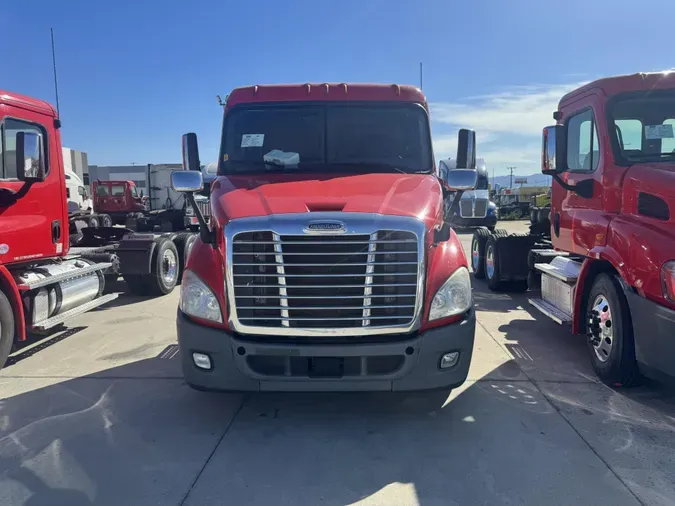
(467, 209)
(325, 281)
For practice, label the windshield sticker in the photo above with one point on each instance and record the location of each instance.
(252, 140)
(658, 132)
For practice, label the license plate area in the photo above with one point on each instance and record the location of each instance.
(326, 367)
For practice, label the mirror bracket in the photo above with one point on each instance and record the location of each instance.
(205, 233)
(583, 188)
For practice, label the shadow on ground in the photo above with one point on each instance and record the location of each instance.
(125, 440)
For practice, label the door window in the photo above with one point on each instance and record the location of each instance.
(582, 142)
(117, 190)
(133, 192)
(8, 130)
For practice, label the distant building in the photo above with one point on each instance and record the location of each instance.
(76, 161)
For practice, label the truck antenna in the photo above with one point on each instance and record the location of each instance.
(420, 75)
(220, 101)
(56, 84)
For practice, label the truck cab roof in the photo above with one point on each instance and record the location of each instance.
(625, 83)
(24, 102)
(325, 92)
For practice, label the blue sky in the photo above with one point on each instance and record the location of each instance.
(135, 75)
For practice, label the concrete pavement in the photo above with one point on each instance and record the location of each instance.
(100, 415)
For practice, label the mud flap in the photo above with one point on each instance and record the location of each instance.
(135, 253)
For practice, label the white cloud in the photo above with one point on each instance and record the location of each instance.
(521, 112)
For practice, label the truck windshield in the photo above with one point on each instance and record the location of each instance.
(339, 137)
(643, 127)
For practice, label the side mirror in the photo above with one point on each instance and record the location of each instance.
(187, 181)
(552, 150)
(190, 152)
(30, 162)
(466, 149)
(461, 179)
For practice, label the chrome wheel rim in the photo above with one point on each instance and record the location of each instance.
(169, 266)
(475, 259)
(601, 328)
(490, 262)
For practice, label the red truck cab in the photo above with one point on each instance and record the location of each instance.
(118, 199)
(612, 157)
(329, 263)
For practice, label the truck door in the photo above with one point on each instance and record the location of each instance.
(577, 222)
(32, 215)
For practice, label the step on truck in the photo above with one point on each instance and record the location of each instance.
(329, 263)
(603, 255)
(44, 282)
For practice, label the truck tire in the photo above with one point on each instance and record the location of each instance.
(180, 242)
(93, 221)
(609, 329)
(492, 260)
(164, 268)
(500, 232)
(106, 220)
(6, 328)
(478, 242)
(534, 215)
(188, 245)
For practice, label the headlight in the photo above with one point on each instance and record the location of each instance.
(454, 297)
(197, 299)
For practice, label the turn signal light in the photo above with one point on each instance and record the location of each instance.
(668, 280)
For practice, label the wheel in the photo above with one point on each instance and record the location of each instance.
(533, 215)
(164, 268)
(93, 222)
(180, 242)
(609, 328)
(500, 232)
(491, 228)
(106, 220)
(492, 274)
(544, 215)
(480, 237)
(188, 246)
(6, 328)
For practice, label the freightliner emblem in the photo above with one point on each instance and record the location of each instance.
(325, 227)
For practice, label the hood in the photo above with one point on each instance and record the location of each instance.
(476, 194)
(414, 195)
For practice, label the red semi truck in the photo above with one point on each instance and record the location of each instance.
(329, 263)
(604, 258)
(44, 282)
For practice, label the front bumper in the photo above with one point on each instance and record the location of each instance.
(254, 366)
(488, 221)
(654, 331)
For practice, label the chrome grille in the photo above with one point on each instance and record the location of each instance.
(470, 208)
(293, 283)
(204, 207)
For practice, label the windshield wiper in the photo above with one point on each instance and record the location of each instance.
(375, 166)
(648, 156)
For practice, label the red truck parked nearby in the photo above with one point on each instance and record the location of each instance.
(44, 282)
(329, 263)
(605, 257)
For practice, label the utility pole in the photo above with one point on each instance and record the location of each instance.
(511, 169)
